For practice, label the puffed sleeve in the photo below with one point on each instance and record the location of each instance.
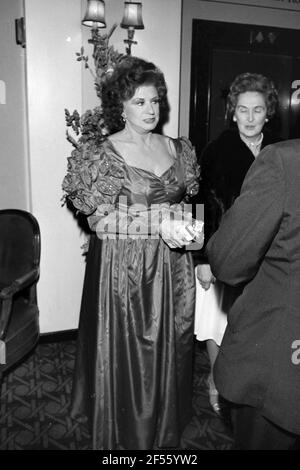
(93, 185)
(191, 167)
(93, 180)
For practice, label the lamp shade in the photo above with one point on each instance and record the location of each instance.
(132, 15)
(95, 14)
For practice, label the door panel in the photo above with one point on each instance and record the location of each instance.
(221, 51)
(222, 76)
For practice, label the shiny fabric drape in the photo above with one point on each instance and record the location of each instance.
(139, 376)
(133, 373)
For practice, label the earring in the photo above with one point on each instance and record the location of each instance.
(123, 117)
(266, 120)
(234, 119)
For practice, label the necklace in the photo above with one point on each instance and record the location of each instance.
(253, 146)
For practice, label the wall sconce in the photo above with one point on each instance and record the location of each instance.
(94, 17)
(132, 20)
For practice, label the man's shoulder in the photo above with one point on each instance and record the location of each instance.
(283, 150)
(283, 157)
(285, 145)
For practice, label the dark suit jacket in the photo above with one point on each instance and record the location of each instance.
(258, 245)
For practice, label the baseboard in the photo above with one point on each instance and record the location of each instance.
(56, 336)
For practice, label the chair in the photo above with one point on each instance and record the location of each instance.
(19, 273)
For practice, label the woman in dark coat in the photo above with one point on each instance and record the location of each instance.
(225, 161)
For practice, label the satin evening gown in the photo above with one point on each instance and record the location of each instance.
(133, 373)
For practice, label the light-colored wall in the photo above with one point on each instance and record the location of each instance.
(228, 12)
(14, 176)
(54, 83)
(57, 81)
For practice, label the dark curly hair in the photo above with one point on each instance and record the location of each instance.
(121, 85)
(252, 82)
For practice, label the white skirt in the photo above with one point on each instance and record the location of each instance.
(210, 315)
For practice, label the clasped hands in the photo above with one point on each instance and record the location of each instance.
(177, 233)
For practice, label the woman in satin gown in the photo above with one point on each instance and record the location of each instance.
(133, 373)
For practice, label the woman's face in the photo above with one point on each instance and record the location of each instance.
(250, 114)
(142, 110)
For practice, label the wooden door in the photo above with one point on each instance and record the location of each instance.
(221, 51)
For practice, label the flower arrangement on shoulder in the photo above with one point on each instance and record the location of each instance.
(88, 166)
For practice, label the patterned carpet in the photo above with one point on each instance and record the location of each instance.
(35, 400)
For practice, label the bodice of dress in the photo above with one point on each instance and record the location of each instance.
(144, 198)
(103, 186)
(99, 175)
(145, 188)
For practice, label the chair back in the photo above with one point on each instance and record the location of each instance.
(19, 244)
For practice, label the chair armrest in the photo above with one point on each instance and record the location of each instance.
(5, 316)
(7, 293)
(19, 284)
